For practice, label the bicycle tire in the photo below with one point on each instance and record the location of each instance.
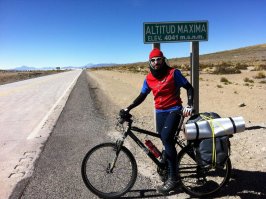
(197, 181)
(100, 180)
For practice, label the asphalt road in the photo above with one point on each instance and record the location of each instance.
(57, 171)
(28, 111)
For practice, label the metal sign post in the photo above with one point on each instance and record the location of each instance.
(156, 45)
(194, 63)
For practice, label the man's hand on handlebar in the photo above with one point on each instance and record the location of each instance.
(187, 111)
(124, 115)
(123, 112)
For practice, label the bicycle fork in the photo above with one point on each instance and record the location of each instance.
(119, 144)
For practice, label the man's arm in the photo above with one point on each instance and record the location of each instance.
(137, 101)
(190, 93)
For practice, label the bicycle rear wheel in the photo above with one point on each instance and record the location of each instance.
(197, 181)
(101, 179)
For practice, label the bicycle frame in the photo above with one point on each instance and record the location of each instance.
(129, 133)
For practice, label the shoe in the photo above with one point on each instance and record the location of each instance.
(168, 186)
(164, 177)
(163, 174)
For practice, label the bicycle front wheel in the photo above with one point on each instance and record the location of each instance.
(107, 172)
(198, 181)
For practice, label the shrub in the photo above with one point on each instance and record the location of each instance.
(225, 64)
(225, 81)
(260, 67)
(205, 65)
(240, 66)
(185, 67)
(246, 79)
(260, 75)
(225, 70)
(186, 74)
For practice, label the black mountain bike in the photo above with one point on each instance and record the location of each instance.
(109, 170)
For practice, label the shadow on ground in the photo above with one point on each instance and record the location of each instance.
(243, 184)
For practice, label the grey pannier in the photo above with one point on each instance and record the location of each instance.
(210, 151)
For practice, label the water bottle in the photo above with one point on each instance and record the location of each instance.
(153, 148)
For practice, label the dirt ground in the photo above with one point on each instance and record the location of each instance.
(117, 90)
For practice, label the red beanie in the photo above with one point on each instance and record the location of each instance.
(156, 53)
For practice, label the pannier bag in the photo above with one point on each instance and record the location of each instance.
(212, 152)
(209, 133)
(205, 126)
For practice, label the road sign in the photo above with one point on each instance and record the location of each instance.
(180, 31)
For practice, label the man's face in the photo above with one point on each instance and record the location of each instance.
(156, 62)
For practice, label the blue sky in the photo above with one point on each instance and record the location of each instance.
(50, 33)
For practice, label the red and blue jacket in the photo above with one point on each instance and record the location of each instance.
(166, 91)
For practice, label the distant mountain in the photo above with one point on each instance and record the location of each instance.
(99, 65)
(90, 65)
(25, 68)
(70, 67)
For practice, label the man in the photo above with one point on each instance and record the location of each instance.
(165, 83)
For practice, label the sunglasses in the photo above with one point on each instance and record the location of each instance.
(158, 59)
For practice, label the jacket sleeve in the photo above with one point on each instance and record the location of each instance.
(190, 93)
(137, 101)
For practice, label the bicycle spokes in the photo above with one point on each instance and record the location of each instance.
(199, 181)
(108, 172)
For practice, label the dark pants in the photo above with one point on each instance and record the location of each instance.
(167, 123)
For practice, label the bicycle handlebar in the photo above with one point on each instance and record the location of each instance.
(125, 116)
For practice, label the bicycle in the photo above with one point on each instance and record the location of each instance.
(109, 170)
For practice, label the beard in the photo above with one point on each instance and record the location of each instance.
(161, 72)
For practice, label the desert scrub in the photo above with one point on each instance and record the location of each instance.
(260, 75)
(260, 67)
(185, 67)
(225, 80)
(185, 74)
(246, 79)
(225, 69)
(205, 66)
(219, 86)
(240, 66)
